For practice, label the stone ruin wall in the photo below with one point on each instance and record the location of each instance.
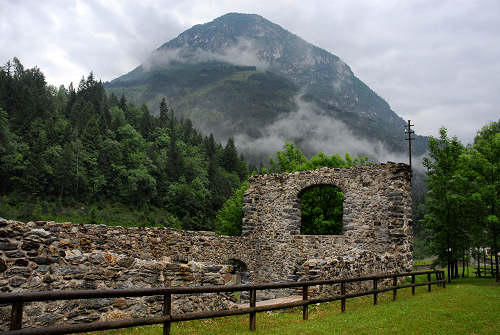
(377, 239)
(39, 256)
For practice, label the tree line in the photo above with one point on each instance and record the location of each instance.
(76, 146)
(462, 205)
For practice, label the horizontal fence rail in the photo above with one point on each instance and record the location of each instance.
(18, 299)
(424, 267)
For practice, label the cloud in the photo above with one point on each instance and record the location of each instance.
(242, 52)
(317, 133)
(107, 37)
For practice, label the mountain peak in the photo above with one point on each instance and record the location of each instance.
(226, 31)
(239, 16)
(241, 72)
(243, 20)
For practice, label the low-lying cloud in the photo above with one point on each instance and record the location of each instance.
(313, 132)
(242, 53)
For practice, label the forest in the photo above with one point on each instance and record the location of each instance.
(78, 154)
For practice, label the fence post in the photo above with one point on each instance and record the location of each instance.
(375, 288)
(429, 281)
(342, 300)
(413, 283)
(305, 297)
(167, 310)
(253, 298)
(394, 290)
(16, 317)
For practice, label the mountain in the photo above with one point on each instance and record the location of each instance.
(245, 77)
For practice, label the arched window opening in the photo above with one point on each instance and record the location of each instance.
(240, 276)
(237, 265)
(322, 209)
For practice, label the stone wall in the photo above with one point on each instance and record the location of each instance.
(377, 239)
(39, 256)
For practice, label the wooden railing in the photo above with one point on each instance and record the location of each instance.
(421, 267)
(18, 299)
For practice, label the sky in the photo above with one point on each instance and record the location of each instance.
(435, 62)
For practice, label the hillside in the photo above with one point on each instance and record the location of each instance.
(246, 77)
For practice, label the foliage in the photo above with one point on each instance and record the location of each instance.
(443, 203)
(292, 159)
(322, 211)
(231, 212)
(78, 146)
(462, 205)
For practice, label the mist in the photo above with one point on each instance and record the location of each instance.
(313, 131)
(242, 53)
(307, 126)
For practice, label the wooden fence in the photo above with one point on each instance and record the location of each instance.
(424, 267)
(18, 299)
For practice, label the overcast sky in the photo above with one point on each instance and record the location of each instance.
(435, 62)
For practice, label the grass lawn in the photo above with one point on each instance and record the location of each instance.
(467, 306)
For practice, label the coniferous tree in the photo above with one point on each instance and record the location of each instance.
(230, 157)
(122, 103)
(174, 164)
(113, 100)
(210, 146)
(146, 123)
(163, 120)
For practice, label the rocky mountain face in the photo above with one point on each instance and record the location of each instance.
(246, 77)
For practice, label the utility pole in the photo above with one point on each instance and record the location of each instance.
(409, 139)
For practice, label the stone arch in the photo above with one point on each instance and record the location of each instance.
(304, 183)
(313, 185)
(238, 265)
(240, 275)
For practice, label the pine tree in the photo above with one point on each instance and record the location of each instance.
(163, 120)
(174, 164)
(123, 103)
(147, 123)
(230, 157)
(210, 146)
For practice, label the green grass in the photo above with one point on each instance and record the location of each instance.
(427, 261)
(467, 306)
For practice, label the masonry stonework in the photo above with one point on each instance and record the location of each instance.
(377, 238)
